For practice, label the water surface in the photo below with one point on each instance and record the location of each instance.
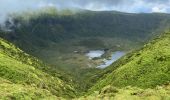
(95, 53)
(115, 56)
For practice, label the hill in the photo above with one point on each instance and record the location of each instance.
(62, 38)
(145, 68)
(25, 77)
(57, 34)
(130, 93)
(142, 74)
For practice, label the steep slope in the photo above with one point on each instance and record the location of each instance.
(62, 38)
(130, 93)
(23, 76)
(10, 91)
(19, 79)
(56, 35)
(145, 68)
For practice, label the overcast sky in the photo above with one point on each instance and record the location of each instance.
(133, 6)
(119, 5)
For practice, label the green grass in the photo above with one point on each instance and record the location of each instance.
(52, 36)
(11, 91)
(145, 68)
(140, 75)
(130, 93)
(22, 72)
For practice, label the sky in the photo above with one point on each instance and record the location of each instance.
(132, 6)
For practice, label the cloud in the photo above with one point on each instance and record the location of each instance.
(15, 6)
(133, 6)
(159, 9)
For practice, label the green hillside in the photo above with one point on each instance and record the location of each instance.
(146, 68)
(21, 80)
(53, 36)
(23, 76)
(43, 56)
(130, 93)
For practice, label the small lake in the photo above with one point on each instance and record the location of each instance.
(107, 62)
(115, 56)
(95, 53)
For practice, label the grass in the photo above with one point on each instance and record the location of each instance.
(52, 36)
(11, 91)
(22, 72)
(145, 68)
(25, 77)
(141, 75)
(130, 93)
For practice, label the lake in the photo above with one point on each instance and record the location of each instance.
(107, 62)
(115, 56)
(95, 53)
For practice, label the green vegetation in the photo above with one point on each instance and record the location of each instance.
(58, 34)
(18, 69)
(52, 36)
(130, 93)
(142, 74)
(61, 39)
(145, 68)
(11, 91)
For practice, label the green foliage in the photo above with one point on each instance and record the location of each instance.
(11, 91)
(145, 68)
(130, 93)
(19, 69)
(53, 35)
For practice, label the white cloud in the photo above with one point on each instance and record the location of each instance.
(158, 9)
(45, 4)
(12, 6)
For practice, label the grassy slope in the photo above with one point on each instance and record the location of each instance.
(53, 37)
(145, 68)
(19, 80)
(81, 31)
(24, 74)
(9, 90)
(16, 57)
(130, 93)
